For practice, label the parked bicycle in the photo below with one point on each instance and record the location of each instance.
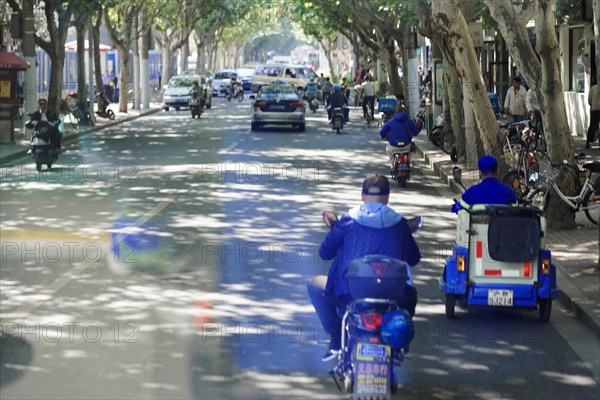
(588, 198)
(68, 108)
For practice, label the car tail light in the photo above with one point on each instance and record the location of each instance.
(371, 320)
(545, 266)
(460, 263)
(401, 158)
(260, 104)
(297, 104)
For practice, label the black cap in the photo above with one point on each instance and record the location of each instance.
(376, 185)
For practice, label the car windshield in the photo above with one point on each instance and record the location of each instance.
(277, 92)
(223, 75)
(182, 82)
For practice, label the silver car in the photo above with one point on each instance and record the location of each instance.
(177, 92)
(278, 105)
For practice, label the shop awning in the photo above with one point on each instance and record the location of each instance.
(12, 61)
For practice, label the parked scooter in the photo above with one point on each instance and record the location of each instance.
(103, 110)
(43, 149)
(376, 332)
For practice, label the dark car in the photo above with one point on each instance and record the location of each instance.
(278, 105)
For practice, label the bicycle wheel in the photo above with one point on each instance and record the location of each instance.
(447, 141)
(591, 203)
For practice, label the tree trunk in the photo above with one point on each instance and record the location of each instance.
(136, 68)
(544, 78)
(81, 82)
(454, 94)
(448, 17)
(97, 62)
(326, 45)
(596, 11)
(391, 66)
(166, 62)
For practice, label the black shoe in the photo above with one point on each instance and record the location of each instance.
(587, 145)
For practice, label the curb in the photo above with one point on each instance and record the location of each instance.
(570, 296)
(80, 133)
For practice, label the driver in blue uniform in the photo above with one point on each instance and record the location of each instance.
(489, 191)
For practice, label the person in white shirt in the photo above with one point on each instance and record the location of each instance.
(594, 102)
(368, 97)
(514, 104)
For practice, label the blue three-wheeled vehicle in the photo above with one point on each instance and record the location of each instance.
(500, 259)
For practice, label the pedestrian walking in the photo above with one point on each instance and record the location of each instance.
(594, 102)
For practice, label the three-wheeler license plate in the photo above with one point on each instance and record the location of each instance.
(500, 298)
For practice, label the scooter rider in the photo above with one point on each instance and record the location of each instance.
(312, 89)
(489, 191)
(43, 114)
(370, 228)
(399, 129)
(338, 100)
(326, 89)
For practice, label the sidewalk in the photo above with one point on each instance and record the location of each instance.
(574, 251)
(14, 151)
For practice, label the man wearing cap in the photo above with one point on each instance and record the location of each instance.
(489, 191)
(370, 228)
(515, 101)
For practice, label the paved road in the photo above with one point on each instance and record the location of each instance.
(167, 258)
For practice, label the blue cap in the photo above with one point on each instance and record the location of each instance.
(488, 165)
(336, 87)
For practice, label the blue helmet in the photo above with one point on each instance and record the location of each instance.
(397, 328)
(336, 87)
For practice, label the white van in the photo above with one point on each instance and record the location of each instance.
(293, 74)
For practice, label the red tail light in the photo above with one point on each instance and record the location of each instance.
(531, 159)
(260, 104)
(401, 158)
(297, 104)
(371, 320)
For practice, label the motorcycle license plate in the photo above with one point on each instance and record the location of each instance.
(500, 298)
(371, 352)
(401, 166)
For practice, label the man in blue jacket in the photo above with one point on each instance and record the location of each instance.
(489, 191)
(398, 132)
(370, 228)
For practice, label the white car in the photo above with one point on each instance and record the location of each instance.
(177, 92)
(222, 81)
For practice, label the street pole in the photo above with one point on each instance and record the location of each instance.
(145, 70)
(29, 89)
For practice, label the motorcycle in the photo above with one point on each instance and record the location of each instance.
(401, 167)
(196, 106)
(314, 101)
(337, 119)
(42, 149)
(376, 332)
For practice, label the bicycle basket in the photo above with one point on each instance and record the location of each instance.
(511, 154)
(543, 173)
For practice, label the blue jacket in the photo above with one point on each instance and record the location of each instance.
(372, 228)
(399, 129)
(489, 191)
(312, 87)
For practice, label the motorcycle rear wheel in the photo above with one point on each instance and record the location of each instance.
(402, 181)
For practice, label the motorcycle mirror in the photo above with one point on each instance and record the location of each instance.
(415, 223)
(330, 218)
(457, 174)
